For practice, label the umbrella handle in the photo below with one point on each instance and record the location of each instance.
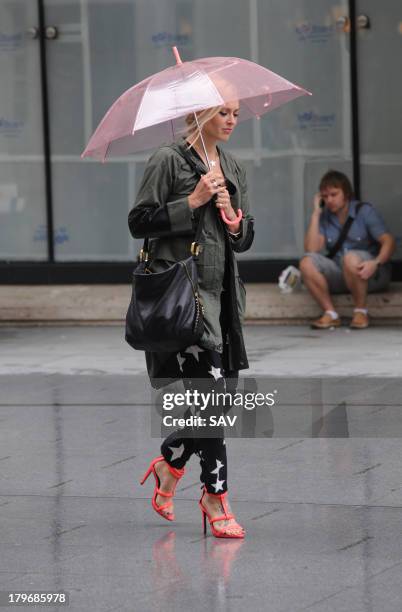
(239, 217)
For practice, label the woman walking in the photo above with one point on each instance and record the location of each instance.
(175, 187)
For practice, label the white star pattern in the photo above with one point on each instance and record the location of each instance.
(194, 350)
(219, 465)
(215, 372)
(181, 360)
(176, 452)
(218, 485)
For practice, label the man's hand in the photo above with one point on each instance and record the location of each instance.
(314, 240)
(316, 203)
(366, 269)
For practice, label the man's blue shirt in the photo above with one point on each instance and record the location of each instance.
(363, 234)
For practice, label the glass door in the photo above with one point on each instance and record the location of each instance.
(295, 145)
(23, 226)
(379, 53)
(90, 62)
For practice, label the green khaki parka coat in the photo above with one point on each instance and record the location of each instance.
(161, 213)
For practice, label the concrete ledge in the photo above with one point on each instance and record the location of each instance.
(266, 301)
(108, 304)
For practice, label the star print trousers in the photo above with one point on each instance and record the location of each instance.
(202, 370)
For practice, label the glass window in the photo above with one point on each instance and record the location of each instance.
(90, 66)
(23, 233)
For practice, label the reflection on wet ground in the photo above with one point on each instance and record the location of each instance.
(322, 515)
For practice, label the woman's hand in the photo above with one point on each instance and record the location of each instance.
(223, 203)
(208, 185)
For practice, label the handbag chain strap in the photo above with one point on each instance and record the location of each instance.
(195, 247)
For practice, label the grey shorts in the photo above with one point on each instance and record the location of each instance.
(332, 270)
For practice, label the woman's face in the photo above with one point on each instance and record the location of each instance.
(223, 123)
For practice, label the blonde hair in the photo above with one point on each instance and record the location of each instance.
(203, 117)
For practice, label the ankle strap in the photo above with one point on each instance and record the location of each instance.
(220, 495)
(176, 472)
(159, 492)
(222, 498)
(224, 517)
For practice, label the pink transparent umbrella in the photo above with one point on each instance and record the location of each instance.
(153, 111)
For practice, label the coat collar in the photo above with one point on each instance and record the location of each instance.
(225, 165)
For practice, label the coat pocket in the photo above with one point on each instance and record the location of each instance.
(208, 266)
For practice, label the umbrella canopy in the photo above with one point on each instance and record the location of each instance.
(153, 111)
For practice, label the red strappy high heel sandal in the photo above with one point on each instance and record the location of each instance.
(177, 473)
(224, 532)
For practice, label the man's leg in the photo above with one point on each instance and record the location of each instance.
(316, 283)
(322, 276)
(356, 285)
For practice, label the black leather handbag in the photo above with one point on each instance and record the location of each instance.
(165, 313)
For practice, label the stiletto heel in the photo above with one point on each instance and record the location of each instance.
(226, 531)
(177, 473)
(147, 473)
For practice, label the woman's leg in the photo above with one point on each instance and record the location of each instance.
(202, 371)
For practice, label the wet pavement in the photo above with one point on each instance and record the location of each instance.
(323, 511)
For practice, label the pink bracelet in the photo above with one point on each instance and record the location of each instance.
(239, 217)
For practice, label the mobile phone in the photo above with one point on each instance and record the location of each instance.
(322, 203)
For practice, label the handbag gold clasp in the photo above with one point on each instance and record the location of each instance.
(195, 249)
(143, 256)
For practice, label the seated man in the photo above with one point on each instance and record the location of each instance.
(360, 263)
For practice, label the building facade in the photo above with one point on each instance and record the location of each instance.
(63, 63)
